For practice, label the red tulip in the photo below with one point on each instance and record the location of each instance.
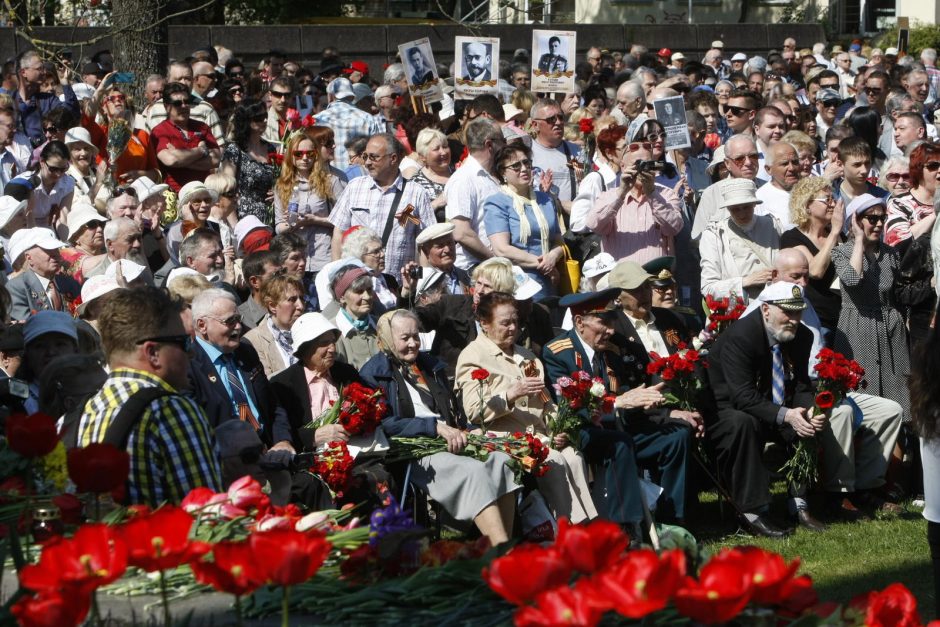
(797, 596)
(52, 609)
(232, 570)
(197, 499)
(95, 556)
(289, 557)
(721, 592)
(894, 606)
(160, 540)
(560, 606)
(769, 571)
(98, 467)
(592, 547)
(641, 583)
(520, 575)
(31, 436)
(245, 493)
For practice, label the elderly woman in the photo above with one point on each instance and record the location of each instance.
(896, 176)
(515, 399)
(195, 202)
(723, 91)
(522, 224)
(431, 145)
(283, 296)
(86, 235)
(224, 210)
(421, 403)
(246, 159)
(871, 330)
(89, 179)
(352, 289)
(304, 195)
(818, 219)
(912, 214)
(363, 244)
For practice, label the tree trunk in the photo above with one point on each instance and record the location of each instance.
(140, 44)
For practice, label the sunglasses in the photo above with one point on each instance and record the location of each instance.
(236, 90)
(874, 218)
(738, 112)
(655, 137)
(280, 94)
(634, 146)
(120, 191)
(231, 321)
(873, 90)
(259, 118)
(555, 119)
(894, 177)
(932, 166)
(231, 194)
(825, 201)
(370, 157)
(831, 104)
(518, 165)
(304, 154)
(180, 103)
(57, 170)
(50, 130)
(739, 161)
(116, 98)
(184, 342)
(236, 74)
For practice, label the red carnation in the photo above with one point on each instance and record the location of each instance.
(31, 436)
(480, 374)
(586, 125)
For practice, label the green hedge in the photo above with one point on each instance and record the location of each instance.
(922, 36)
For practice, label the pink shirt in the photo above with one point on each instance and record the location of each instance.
(322, 392)
(639, 230)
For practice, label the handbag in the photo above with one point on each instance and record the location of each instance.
(569, 273)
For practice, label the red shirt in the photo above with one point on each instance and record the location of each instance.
(167, 134)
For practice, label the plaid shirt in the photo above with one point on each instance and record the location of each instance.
(172, 448)
(347, 123)
(363, 203)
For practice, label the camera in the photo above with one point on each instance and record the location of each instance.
(650, 166)
(415, 272)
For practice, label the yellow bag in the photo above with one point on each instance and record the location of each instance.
(569, 273)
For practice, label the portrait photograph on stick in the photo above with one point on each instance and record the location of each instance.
(554, 70)
(420, 70)
(476, 61)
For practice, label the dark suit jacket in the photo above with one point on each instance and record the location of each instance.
(565, 355)
(740, 368)
(27, 295)
(210, 392)
(290, 387)
(633, 355)
(485, 76)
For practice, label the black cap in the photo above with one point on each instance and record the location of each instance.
(92, 68)
(596, 303)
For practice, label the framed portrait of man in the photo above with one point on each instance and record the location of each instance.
(476, 66)
(554, 55)
(420, 70)
(671, 114)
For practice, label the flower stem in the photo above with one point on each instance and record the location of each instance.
(166, 601)
(95, 610)
(285, 610)
(238, 610)
(97, 507)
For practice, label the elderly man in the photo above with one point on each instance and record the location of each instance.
(551, 153)
(122, 240)
(738, 251)
(385, 100)
(200, 251)
(846, 75)
(170, 441)
(631, 100)
(346, 120)
(186, 148)
(741, 160)
(639, 219)
(31, 103)
(439, 251)
(204, 79)
(384, 202)
(782, 165)
(226, 373)
(39, 286)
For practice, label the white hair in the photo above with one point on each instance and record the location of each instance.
(394, 72)
(819, 48)
(354, 244)
(428, 138)
(204, 302)
(113, 228)
(928, 55)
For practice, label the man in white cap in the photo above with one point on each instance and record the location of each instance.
(678, 60)
(439, 250)
(39, 286)
(738, 61)
(347, 121)
(152, 205)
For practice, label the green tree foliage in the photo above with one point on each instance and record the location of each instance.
(922, 36)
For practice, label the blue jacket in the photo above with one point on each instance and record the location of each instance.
(31, 112)
(379, 373)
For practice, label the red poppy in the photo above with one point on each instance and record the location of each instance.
(641, 583)
(560, 606)
(289, 557)
(60, 608)
(526, 571)
(894, 606)
(160, 540)
(721, 592)
(592, 547)
(769, 572)
(99, 467)
(31, 436)
(233, 569)
(825, 400)
(480, 374)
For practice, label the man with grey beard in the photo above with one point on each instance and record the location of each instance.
(122, 240)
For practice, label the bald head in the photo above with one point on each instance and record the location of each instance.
(791, 265)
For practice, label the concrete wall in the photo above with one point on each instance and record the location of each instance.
(924, 11)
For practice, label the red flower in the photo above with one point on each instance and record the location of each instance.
(480, 374)
(233, 569)
(160, 540)
(57, 608)
(197, 499)
(31, 436)
(95, 556)
(769, 572)
(592, 547)
(245, 493)
(561, 606)
(288, 557)
(70, 507)
(721, 592)
(98, 467)
(894, 606)
(586, 125)
(520, 575)
(797, 596)
(641, 583)
(825, 400)
(334, 466)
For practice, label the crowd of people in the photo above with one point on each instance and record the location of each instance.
(198, 274)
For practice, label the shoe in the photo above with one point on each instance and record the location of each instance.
(843, 510)
(805, 519)
(875, 505)
(761, 526)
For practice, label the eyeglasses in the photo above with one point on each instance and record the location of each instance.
(231, 194)
(932, 166)
(894, 177)
(518, 165)
(376, 252)
(634, 146)
(180, 103)
(738, 112)
(873, 90)
(120, 191)
(116, 98)
(50, 130)
(874, 218)
(57, 170)
(236, 90)
(655, 137)
(831, 104)
(555, 119)
(830, 86)
(280, 94)
(304, 154)
(370, 157)
(202, 200)
(739, 161)
(236, 74)
(232, 321)
(184, 342)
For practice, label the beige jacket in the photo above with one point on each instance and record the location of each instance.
(264, 343)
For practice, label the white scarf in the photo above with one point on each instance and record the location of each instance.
(525, 231)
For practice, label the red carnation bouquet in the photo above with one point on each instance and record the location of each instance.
(579, 395)
(359, 409)
(334, 465)
(678, 371)
(721, 313)
(836, 377)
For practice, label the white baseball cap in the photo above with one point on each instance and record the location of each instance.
(9, 207)
(599, 264)
(146, 188)
(25, 239)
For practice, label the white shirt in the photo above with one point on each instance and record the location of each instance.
(650, 336)
(554, 159)
(592, 185)
(465, 192)
(776, 203)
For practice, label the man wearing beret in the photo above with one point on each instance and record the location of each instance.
(664, 450)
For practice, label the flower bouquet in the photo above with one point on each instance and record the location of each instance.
(119, 135)
(721, 312)
(359, 410)
(579, 395)
(678, 371)
(836, 377)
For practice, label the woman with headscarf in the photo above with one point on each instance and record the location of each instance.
(195, 201)
(515, 399)
(421, 403)
(352, 289)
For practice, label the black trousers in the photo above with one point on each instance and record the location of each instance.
(737, 439)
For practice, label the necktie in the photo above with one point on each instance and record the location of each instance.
(54, 299)
(777, 382)
(239, 395)
(597, 366)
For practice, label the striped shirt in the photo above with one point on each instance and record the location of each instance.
(172, 447)
(637, 229)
